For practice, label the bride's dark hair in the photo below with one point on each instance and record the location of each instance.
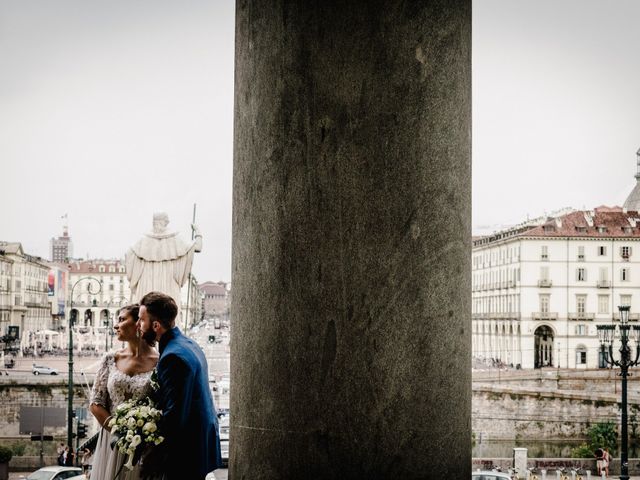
(132, 309)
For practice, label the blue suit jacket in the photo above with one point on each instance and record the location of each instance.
(189, 420)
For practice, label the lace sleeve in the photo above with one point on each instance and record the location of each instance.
(99, 392)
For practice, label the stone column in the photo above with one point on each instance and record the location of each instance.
(351, 295)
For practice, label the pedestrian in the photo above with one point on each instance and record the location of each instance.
(606, 457)
(599, 454)
(68, 457)
(87, 459)
(60, 452)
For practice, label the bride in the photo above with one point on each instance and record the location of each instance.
(122, 375)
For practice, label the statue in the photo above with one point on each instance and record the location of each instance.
(160, 261)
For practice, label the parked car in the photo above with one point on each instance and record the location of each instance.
(40, 369)
(57, 473)
(489, 475)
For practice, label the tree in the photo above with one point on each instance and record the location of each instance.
(601, 435)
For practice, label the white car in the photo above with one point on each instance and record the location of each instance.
(42, 370)
(57, 473)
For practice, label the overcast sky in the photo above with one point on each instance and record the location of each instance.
(556, 106)
(111, 110)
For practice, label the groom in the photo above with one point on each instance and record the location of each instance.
(191, 448)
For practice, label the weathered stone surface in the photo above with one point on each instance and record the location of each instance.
(14, 394)
(513, 413)
(351, 249)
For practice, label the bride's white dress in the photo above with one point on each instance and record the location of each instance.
(110, 389)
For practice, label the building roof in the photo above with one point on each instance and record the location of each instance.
(11, 247)
(93, 266)
(601, 222)
(213, 288)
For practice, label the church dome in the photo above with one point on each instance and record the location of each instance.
(632, 203)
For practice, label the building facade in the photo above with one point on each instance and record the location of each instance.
(97, 290)
(25, 310)
(216, 299)
(539, 289)
(61, 248)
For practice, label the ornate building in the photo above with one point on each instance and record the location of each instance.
(540, 288)
(216, 299)
(96, 291)
(61, 248)
(24, 304)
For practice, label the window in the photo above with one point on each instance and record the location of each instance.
(581, 252)
(624, 274)
(581, 355)
(101, 268)
(625, 252)
(581, 329)
(625, 300)
(544, 273)
(603, 304)
(544, 303)
(602, 251)
(602, 274)
(581, 302)
(581, 275)
(544, 252)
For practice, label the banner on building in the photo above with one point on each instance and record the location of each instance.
(51, 281)
(61, 291)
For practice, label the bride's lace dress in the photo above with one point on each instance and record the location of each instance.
(110, 389)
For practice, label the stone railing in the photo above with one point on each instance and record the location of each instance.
(581, 316)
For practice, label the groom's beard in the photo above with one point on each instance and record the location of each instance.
(150, 337)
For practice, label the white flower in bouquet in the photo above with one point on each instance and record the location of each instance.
(134, 427)
(149, 427)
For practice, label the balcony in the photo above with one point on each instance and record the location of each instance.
(581, 316)
(633, 317)
(581, 258)
(545, 283)
(544, 316)
(511, 284)
(604, 284)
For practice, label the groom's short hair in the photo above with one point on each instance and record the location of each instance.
(161, 307)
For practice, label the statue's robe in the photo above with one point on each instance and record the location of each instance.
(159, 263)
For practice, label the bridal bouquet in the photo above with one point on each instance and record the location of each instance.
(135, 427)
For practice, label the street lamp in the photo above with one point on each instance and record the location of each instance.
(70, 394)
(607, 334)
